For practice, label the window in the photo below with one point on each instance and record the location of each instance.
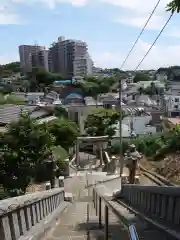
(176, 99)
(176, 106)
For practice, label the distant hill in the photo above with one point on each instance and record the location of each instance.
(172, 72)
(8, 69)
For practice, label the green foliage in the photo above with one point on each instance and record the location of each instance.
(60, 155)
(115, 148)
(173, 72)
(7, 69)
(42, 172)
(173, 6)
(65, 132)
(10, 99)
(6, 88)
(92, 86)
(152, 90)
(41, 78)
(141, 77)
(154, 147)
(60, 112)
(24, 147)
(101, 122)
(157, 146)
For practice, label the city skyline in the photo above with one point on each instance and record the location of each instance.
(108, 27)
(69, 57)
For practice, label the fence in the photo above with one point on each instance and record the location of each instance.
(19, 215)
(160, 204)
(101, 201)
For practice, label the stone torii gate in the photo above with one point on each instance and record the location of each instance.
(99, 140)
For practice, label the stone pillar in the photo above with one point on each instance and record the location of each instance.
(48, 186)
(77, 152)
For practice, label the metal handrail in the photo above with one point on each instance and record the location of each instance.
(133, 233)
(97, 204)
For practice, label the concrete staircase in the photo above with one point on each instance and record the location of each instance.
(79, 221)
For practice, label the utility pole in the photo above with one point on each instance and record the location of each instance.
(120, 129)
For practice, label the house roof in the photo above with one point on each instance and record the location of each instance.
(74, 95)
(62, 81)
(11, 112)
(174, 120)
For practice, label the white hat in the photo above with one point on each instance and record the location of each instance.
(132, 146)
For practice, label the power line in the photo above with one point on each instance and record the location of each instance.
(154, 42)
(140, 34)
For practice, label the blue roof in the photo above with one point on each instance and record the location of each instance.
(74, 95)
(63, 81)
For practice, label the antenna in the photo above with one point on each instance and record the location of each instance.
(36, 43)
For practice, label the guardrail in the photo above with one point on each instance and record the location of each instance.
(160, 205)
(19, 216)
(160, 178)
(99, 201)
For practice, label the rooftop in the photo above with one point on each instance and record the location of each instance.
(11, 112)
(62, 81)
(174, 121)
(74, 95)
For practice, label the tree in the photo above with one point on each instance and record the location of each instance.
(65, 132)
(60, 112)
(101, 122)
(24, 147)
(173, 6)
(8, 69)
(152, 90)
(41, 78)
(93, 86)
(141, 77)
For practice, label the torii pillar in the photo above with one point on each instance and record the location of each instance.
(77, 152)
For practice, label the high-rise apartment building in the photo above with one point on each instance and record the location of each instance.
(40, 59)
(68, 57)
(25, 53)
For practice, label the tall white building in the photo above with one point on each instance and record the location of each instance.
(89, 65)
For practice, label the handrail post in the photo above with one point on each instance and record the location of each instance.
(96, 204)
(94, 197)
(106, 232)
(100, 215)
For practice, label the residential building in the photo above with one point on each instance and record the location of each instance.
(25, 54)
(161, 77)
(53, 59)
(40, 59)
(172, 105)
(89, 65)
(68, 57)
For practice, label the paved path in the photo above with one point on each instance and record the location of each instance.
(73, 223)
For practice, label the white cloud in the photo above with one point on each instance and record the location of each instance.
(155, 23)
(159, 56)
(135, 13)
(52, 3)
(7, 15)
(140, 6)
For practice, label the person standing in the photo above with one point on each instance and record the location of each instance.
(133, 163)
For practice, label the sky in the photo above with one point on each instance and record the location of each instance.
(109, 27)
